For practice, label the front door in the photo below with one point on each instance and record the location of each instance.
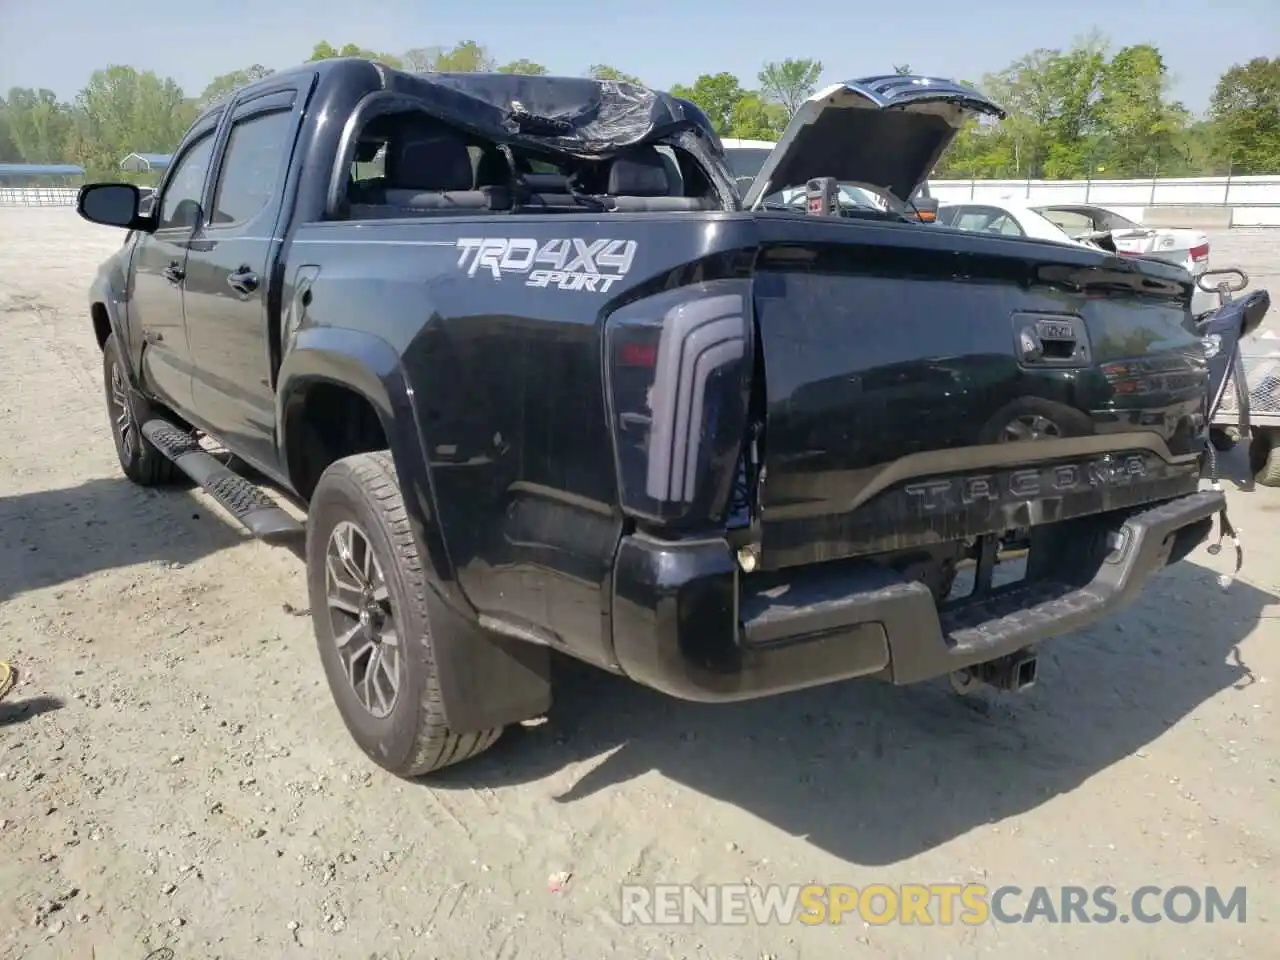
(160, 261)
(227, 279)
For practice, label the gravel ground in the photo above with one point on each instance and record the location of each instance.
(173, 774)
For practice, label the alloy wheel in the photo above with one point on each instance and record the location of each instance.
(1030, 426)
(121, 411)
(364, 629)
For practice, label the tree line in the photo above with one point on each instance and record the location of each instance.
(1084, 111)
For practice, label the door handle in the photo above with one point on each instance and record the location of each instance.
(243, 281)
(173, 272)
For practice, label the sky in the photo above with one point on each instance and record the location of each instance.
(58, 43)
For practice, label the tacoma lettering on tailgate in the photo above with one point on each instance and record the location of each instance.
(1027, 484)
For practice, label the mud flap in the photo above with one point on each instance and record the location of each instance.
(486, 680)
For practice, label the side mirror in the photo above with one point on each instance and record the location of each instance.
(926, 209)
(110, 204)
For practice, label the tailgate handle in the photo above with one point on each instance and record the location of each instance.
(1051, 341)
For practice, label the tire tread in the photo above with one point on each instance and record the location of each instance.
(149, 467)
(436, 745)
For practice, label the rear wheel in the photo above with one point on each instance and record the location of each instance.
(368, 605)
(128, 410)
(1264, 461)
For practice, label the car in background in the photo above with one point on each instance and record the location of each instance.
(1004, 217)
(745, 158)
(1062, 223)
(1185, 247)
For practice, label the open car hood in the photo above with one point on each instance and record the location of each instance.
(887, 132)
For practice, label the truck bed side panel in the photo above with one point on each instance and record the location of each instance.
(508, 389)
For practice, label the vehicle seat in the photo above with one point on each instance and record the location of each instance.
(432, 172)
(644, 180)
(548, 191)
(492, 170)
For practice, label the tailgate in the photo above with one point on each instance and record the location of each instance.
(924, 386)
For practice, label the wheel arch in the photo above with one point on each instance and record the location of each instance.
(327, 365)
(485, 680)
(101, 318)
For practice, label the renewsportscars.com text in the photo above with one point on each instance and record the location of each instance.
(928, 904)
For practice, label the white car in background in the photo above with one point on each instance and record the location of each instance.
(1040, 222)
(745, 158)
(1187, 248)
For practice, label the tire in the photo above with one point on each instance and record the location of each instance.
(127, 410)
(358, 498)
(1264, 461)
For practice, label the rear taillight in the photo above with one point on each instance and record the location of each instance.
(1200, 253)
(679, 378)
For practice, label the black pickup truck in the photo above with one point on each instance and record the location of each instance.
(542, 379)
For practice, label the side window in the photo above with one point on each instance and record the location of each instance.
(1069, 220)
(251, 166)
(181, 204)
(1005, 225)
(974, 220)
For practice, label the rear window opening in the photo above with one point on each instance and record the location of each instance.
(411, 164)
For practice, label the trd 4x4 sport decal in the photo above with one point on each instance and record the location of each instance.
(567, 264)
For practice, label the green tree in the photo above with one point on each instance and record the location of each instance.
(8, 149)
(467, 57)
(1058, 123)
(1075, 112)
(1245, 111)
(222, 86)
(790, 82)
(1075, 85)
(327, 51)
(1026, 90)
(1198, 152)
(1139, 127)
(39, 125)
(754, 119)
(419, 59)
(527, 67)
(123, 111)
(602, 71)
(716, 94)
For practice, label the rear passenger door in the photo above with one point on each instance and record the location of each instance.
(229, 272)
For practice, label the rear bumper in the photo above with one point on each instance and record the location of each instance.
(685, 622)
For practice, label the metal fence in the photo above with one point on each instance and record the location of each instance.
(1252, 201)
(38, 196)
(1262, 374)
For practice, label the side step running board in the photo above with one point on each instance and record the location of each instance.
(238, 496)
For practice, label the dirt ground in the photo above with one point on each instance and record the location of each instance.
(173, 773)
